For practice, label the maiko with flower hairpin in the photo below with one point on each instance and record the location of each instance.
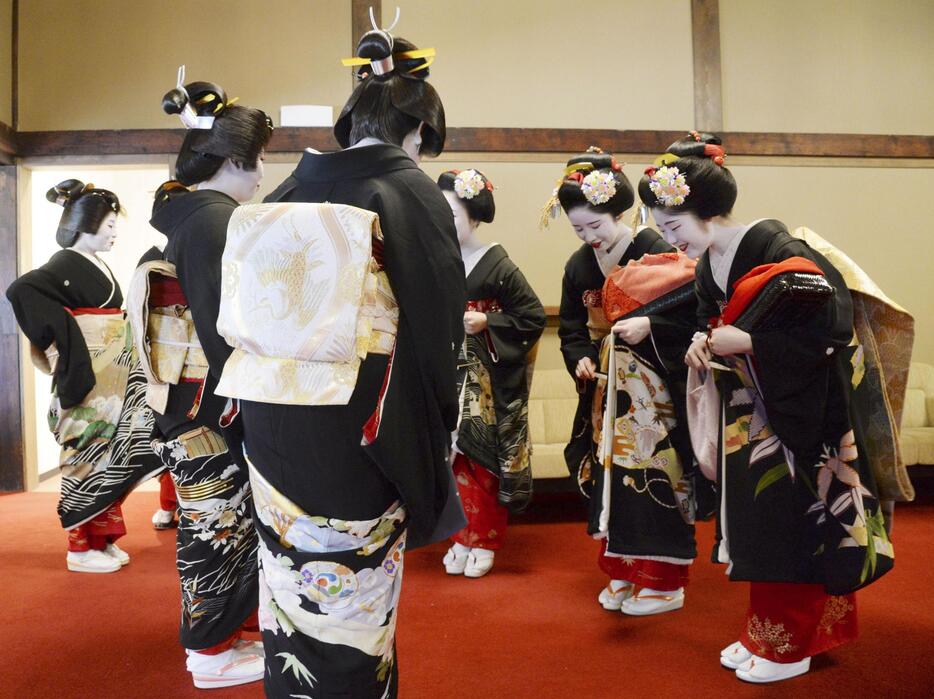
(775, 376)
(633, 279)
(503, 320)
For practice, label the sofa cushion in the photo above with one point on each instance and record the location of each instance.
(552, 403)
(917, 445)
(915, 411)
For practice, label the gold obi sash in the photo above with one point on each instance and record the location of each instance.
(175, 353)
(303, 301)
(163, 331)
(99, 327)
(597, 323)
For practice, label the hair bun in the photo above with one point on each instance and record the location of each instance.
(65, 191)
(207, 99)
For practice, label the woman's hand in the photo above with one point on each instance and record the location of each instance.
(474, 322)
(698, 354)
(633, 330)
(586, 369)
(728, 340)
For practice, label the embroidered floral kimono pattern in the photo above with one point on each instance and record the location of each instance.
(328, 595)
(105, 438)
(640, 499)
(216, 540)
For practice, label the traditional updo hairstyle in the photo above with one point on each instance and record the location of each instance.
(86, 207)
(237, 133)
(593, 179)
(699, 158)
(474, 190)
(393, 97)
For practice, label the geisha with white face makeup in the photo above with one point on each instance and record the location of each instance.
(784, 382)
(594, 193)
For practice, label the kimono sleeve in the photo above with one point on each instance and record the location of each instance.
(517, 328)
(795, 364)
(426, 273)
(572, 327)
(671, 334)
(45, 320)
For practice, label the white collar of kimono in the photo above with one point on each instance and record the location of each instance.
(474, 258)
(608, 260)
(102, 266)
(720, 265)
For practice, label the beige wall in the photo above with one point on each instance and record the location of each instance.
(105, 64)
(846, 66)
(6, 61)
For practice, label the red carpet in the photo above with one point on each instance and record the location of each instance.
(530, 629)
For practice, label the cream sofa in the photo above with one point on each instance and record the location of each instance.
(917, 433)
(552, 403)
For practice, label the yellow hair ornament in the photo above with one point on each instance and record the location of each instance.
(665, 159)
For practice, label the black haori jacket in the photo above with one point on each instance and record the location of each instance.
(422, 261)
(40, 299)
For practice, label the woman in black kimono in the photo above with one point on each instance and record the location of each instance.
(798, 514)
(503, 320)
(369, 477)
(594, 193)
(220, 165)
(70, 310)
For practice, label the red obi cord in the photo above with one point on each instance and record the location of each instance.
(655, 575)
(96, 533)
(165, 291)
(167, 498)
(94, 311)
(486, 518)
(788, 622)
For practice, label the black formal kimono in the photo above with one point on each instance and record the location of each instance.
(69, 309)
(310, 462)
(798, 501)
(641, 485)
(582, 329)
(216, 539)
(494, 379)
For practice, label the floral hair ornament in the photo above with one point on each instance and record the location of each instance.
(469, 183)
(599, 187)
(668, 185)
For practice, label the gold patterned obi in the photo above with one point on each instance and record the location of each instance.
(100, 328)
(304, 300)
(175, 353)
(597, 323)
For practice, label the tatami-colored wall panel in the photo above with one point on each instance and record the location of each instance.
(105, 64)
(845, 66)
(553, 63)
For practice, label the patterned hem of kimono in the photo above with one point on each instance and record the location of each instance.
(328, 594)
(486, 518)
(99, 531)
(644, 572)
(216, 542)
(787, 622)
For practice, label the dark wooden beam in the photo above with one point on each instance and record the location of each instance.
(14, 66)
(497, 140)
(12, 461)
(708, 96)
(8, 146)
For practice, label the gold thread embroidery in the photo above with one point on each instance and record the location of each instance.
(769, 636)
(835, 609)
